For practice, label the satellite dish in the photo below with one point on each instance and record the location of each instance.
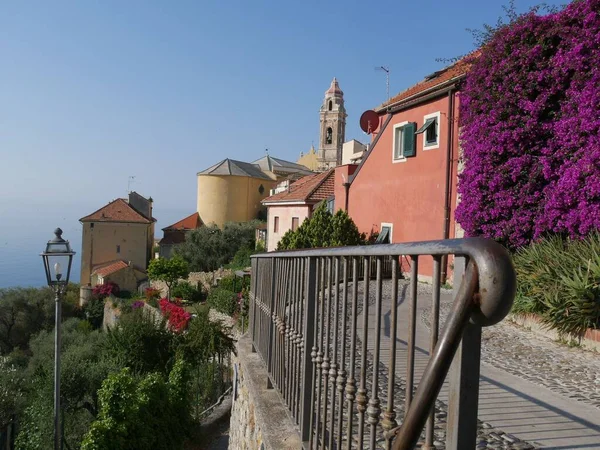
(369, 121)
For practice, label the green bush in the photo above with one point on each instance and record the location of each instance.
(185, 291)
(323, 229)
(140, 342)
(151, 411)
(559, 280)
(223, 300)
(241, 259)
(94, 311)
(233, 283)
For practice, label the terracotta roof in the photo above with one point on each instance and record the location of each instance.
(117, 211)
(455, 71)
(104, 270)
(191, 222)
(310, 189)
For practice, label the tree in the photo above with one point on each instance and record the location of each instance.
(323, 229)
(141, 413)
(208, 248)
(26, 311)
(83, 368)
(530, 130)
(168, 271)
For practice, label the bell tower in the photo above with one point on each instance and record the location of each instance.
(333, 127)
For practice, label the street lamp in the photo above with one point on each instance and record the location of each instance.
(57, 256)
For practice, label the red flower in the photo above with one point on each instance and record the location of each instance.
(177, 317)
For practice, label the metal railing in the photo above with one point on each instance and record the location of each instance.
(304, 319)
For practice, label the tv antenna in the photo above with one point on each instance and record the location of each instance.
(386, 69)
(130, 181)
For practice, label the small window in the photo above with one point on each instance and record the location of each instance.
(330, 105)
(430, 131)
(92, 225)
(330, 204)
(276, 225)
(329, 136)
(118, 249)
(295, 221)
(404, 141)
(384, 236)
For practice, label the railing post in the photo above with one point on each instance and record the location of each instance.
(308, 328)
(463, 397)
(253, 288)
(271, 324)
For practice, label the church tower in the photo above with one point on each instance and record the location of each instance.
(333, 127)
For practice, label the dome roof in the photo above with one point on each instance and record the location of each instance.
(334, 89)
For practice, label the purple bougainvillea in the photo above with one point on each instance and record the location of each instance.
(530, 126)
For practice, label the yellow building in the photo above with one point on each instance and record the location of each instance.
(309, 159)
(117, 242)
(232, 191)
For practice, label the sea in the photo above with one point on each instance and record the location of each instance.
(25, 228)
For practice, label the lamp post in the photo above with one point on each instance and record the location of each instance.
(56, 257)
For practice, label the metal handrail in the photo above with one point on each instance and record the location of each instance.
(292, 298)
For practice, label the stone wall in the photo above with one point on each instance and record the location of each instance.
(204, 279)
(259, 420)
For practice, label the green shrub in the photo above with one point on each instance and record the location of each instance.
(140, 342)
(94, 311)
(241, 259)
(185, 291)
(223, 300)
(559, 280)
(233, 283)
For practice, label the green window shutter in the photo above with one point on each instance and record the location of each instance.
(408, 136)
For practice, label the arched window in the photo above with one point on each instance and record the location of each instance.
(329, 136)
(330, 105)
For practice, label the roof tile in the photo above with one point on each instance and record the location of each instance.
(309, 189)
(104, 270)
(456, 70)
(191, 222)
(116, 211)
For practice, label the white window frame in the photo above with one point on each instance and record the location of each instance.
(435, 115)
(390, 226)
(400, 158)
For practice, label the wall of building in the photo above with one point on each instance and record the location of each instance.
(342, 175)
(127, 279)
(285, 214)
(309, 160)
(408, 194)
(100, 240)
(352, 149)
(228, 198)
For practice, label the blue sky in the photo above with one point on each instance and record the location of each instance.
(92, 92)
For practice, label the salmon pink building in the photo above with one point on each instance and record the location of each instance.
(405, 186)
(287, 210)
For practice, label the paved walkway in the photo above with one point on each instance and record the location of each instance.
(517, 406)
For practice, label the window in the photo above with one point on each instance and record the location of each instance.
(329, 136)
(276, 224)
(430, 131)
(330, 105)
(118, 249)
(385, 235)
(404, 141)
(295, 222)
(92, 225)
(331, 204)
